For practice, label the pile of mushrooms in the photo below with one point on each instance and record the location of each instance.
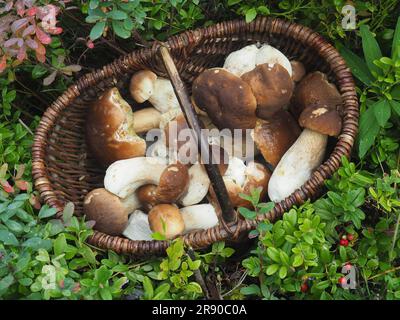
(290, 114)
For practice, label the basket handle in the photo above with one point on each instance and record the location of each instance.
(228, 213)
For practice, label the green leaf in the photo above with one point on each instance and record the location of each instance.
(371, 49)
(357, 65)
(273, 253)
(282, 272)
(382, 111)
(37, 243)
(120, 31)
(395, 106)
(102, 274)
(247, 213)
(251, 15)
(161, 291)
(298, 260)
(105, 293)
(97, 30)
(117, 15)
(6, 282)
(272, 268)
(46, 212)
(60, 245)
(38, 71)
(148, 288)
(343, 253)
(251, 290)
(396, 42)
(369, 129)
(7, 238)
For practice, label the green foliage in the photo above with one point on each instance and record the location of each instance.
(380, 99)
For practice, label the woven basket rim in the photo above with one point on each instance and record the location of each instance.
(203, 238)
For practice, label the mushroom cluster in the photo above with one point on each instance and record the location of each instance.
(149, 187)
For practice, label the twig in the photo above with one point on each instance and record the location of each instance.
(244, 275)
(25, 126)
(197, 274)
(385, 272)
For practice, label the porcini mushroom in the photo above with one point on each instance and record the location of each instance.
(241, 61)
(315, 90)
(172, 184)
(124, 177)
(199, 217)
(298, 70)
(166, 220)
(108, 211)
(145, 85)
(146, 119)
(138, 227)
(270, 55)
(274, 136)
(110, 130)
(256, 176)
(272, 87)
(198, 186)
(227, 99)
(306, 154)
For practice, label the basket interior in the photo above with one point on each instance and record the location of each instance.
(71, 169)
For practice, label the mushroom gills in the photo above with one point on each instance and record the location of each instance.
(297, 164)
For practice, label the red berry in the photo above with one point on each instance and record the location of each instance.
(344, 242)
(342, 280)
(304, 287)
(90, 44)
(350, 237)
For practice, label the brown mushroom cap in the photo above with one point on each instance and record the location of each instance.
(298, 70)
(272, 86)
(109, 129)
(107, 210)
(314, 89)
(321, 119)
(174, 182)
(147, 196)
(274, 137)
(141, 85)
(226, 98)
(169, 216)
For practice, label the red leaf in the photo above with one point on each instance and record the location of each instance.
(43, 36)
(10, 42)
(31, 11)
(31, 43)
(29, 30)
(22, 185)
(6, 186)
(40, 49)
(41, 57)
(3, 63)
(34, 201)
(21, 54)
(18, 24)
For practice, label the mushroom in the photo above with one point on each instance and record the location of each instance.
(199, 217)
(138, 227)
(108, 211)
(315, 89)
(227, 99)
(298, 70)
(270, 55)
(241, 61)
(256, 176)
(198, 186)
(124, 177)
(274, 137)
(166, 220)
(110, 130)
(145, 85)
(272, 86)
(146, 119)
(306, 154)
(173, 183)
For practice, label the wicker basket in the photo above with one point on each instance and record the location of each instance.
(64, 171)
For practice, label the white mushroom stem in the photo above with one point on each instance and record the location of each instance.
(123, 177)
(146, 119)
(198, 186)
(131, 203)
(199, 217)
(138, 227)
(297, 164)
(163, 97)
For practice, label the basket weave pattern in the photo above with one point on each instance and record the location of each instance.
(63, 169)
